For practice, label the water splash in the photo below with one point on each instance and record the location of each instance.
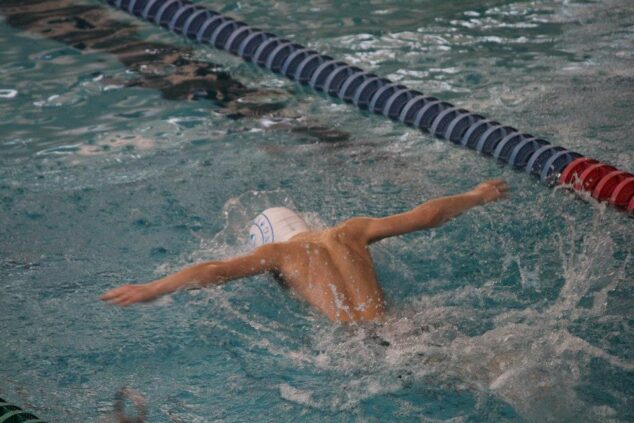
(529, 358)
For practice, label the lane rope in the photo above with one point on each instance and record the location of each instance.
(549, 163)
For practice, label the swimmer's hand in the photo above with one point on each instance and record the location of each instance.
(130, 294)
(493, 190)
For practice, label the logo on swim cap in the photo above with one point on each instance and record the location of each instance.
(277, 224)
(261, 231)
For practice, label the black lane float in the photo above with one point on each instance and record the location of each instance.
(10, 413)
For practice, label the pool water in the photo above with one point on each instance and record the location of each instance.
(520, 311)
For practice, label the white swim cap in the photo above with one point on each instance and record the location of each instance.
(277, 224)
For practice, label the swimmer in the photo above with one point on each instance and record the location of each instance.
(331, 269)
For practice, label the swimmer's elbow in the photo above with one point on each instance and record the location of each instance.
(424, 217)
(211, 274)
(262, 259)
(434, 217)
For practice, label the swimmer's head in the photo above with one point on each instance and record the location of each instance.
(277, 224)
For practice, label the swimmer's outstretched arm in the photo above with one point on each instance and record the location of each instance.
(262, 259)
(429, 214)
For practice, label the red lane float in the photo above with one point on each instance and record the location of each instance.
(590, 177)
(602, 181)
(623, 192)
(574, 170)
(604, 189)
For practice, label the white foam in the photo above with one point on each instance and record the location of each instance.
(295, 395)
(527, 358)
(7, 93)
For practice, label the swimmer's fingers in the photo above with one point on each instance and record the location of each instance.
(493, 190)
(500, 184)
(503, 189)
(124, 299)
(128, 294)
(114, 293)
(121, 299)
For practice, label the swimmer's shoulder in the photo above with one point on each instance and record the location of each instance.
(353, 230)
(306, 238)
(346, 233)
(305, 241)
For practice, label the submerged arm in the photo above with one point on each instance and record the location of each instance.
(429, 214)
(199, 275)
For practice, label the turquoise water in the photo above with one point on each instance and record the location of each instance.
(520, 311)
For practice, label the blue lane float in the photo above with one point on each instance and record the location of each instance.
(353, 85)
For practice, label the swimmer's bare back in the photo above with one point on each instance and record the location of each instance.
(331, 269)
